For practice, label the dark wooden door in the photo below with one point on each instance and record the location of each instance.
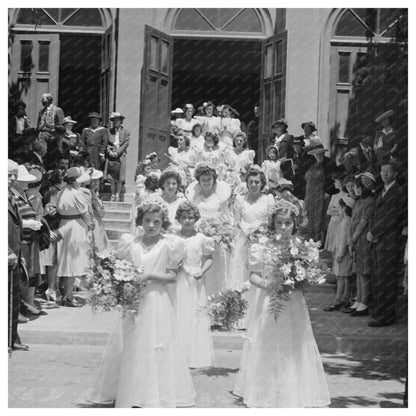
(272, 86)
(156, 86)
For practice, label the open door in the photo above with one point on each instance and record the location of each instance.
(156, 86)
(34, 70)
(272, 86)
(105, 74)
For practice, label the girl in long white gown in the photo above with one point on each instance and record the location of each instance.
(192, 318)
(280, 365)
(251, 210)
(143, 363)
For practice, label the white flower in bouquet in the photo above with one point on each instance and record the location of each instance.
(300, 272)
(286, 269)
(294, 251)
(263, 240)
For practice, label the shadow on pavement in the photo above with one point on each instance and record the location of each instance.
(216, 371)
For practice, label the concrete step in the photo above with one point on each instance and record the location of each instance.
(120, 225)
(117, 215)
(117, 206)
(115, 234)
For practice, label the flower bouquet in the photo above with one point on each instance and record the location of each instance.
(222, 232)
(227, 308)
(114, 283)
(294, 266)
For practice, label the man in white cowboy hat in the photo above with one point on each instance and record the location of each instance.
(115, 165)
(50, 127)
(95, 140)
(385, 143)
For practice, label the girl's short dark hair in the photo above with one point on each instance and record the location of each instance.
(284, 212)
(169, 174)
(213, 136)
(152, 209)
(244, 136)
(187, 206)
(205, 170)
(151, 182)
(348, 210)
(197, 125)
(255, 172)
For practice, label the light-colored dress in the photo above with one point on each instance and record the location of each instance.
(197, 143)
(280, 364)
(186, 126)
(342, 239)
(211, 124)
(172, 207)
(143, 363)
(228, 126)
(235, 162)
(72, 249)
(272, 171)
(215, 207)
(334, 210)
(248, 216)
(100, 234)
(191, 315)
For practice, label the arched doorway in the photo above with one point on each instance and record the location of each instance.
(63, 51)
(222, 55)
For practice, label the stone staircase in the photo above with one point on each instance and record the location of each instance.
(117, 219)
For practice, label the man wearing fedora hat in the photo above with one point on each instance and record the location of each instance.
(50, 127)
(385, 143)
(115, 164)
(281, 138)
(95, 140)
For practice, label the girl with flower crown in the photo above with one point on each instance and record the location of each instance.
(143, 363)
(280, 364)
(192, 318)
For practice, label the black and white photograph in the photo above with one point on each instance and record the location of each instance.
(207, 207)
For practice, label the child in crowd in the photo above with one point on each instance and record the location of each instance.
(342, 266)
(197, 139)
(271, 168)
(154, 163)
(191, 299)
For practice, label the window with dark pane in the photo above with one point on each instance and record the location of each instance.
(268, 61)
(54, 13)
(43, 56)
(278, 111)
(34, 17)
(26, 63)
(246, 21)
(164, 57)
(153, 53)
(344, 67)
(190, 19)
(349, 25)
(85, 17)
(279, 58)
(268, 103)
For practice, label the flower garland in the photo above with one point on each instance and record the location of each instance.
(221, 232)
(294, 265)
(227, 308)
(114, 283)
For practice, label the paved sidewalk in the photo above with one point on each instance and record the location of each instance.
(365, 366)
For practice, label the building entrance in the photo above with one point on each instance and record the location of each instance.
(222, 71)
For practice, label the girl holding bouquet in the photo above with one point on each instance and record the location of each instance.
(192, 319)
(211, 196)
(143, 363)
(280, 365)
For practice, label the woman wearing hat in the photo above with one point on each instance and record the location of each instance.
(72, 205)
(318, 180)
(310, 137)
(30, 239)
(72, 143)
(115, 166)
(185, 124)
(282, 139)
(95, 140)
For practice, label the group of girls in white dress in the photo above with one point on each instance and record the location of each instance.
(148, 358)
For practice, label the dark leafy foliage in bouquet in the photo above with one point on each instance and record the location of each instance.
(227, 307)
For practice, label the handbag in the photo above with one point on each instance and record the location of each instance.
(44, 236)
